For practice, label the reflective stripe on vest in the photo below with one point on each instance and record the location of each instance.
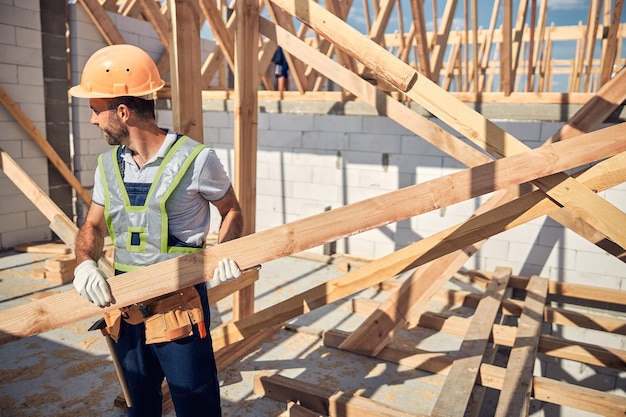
(140, 233)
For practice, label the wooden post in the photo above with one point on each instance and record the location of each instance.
(439, 49)
(245, 121)
(185, 70)
(506, 61)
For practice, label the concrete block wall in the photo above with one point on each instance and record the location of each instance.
(310, 162)
(21, 77)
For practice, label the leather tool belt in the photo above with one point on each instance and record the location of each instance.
(167, 318)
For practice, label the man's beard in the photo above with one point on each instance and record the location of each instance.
(116, 132)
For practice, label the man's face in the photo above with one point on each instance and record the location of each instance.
(115, 132)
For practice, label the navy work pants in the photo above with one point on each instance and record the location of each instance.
(188, 364)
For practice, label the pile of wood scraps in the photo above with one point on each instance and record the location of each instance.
(511, 333)
(59, 269)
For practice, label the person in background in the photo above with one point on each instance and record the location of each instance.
(151, 194)
(281, 70)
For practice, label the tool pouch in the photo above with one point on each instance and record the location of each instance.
(113, 320)
(173, 317)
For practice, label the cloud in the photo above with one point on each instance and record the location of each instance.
(568, 4)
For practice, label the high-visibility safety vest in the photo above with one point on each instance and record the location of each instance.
(140, 232)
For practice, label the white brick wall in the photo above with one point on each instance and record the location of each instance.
(21, 77)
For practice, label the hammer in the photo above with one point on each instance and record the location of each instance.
(101, 324)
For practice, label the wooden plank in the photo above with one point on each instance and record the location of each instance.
(456, 391)
(161, 26)
(373, 334)
(297, 236)
(609, 54)
(609, 96)
(340, 9)
(554, 315)
(581, 291)
(47, 248)
(185, 70)
(245, 129)
(394, 312)
(323, 400)
(514, 397)
(482, 226)
(584, 203)
(102, 21)
(382, 102)
(228, 355)
(439, 49)
(510, 307)
(506, 58)
(59, 222)
(44, 145)
(548, 345)
(388, 67)
(517, 37)
(561, 393)
(544, 389)
(296, 410)
(421, 37)
(219, 30)
(487, 46)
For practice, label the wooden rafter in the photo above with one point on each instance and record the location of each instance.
(251, 250)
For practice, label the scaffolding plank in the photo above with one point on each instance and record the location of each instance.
(456, 391)
(514, 397)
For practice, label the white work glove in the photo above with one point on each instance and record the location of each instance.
(91, 282)
(226, 270)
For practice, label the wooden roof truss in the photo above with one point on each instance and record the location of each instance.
(502, 168)
(514, 58)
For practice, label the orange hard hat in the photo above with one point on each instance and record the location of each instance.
(118, 70)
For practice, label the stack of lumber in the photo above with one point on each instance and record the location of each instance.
(60, 269)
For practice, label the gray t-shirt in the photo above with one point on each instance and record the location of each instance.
(188, 208)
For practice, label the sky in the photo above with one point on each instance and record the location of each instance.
(560, 12)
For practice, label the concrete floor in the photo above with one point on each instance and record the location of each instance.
(68, 372)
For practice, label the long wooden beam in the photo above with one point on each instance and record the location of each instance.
(185, 68)
(505, 217)
(245, 129)
(456, 391)
(388, 67)
(517, 386)
(585, 119)
(251, 250)
(103, 22)
(220, 31)
(321, 400)
(364, 340)
(584, 203)
(596, 211)
(59, 222)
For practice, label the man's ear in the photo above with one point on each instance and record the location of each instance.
(123, 112)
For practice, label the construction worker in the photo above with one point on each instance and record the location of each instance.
(151, 195)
